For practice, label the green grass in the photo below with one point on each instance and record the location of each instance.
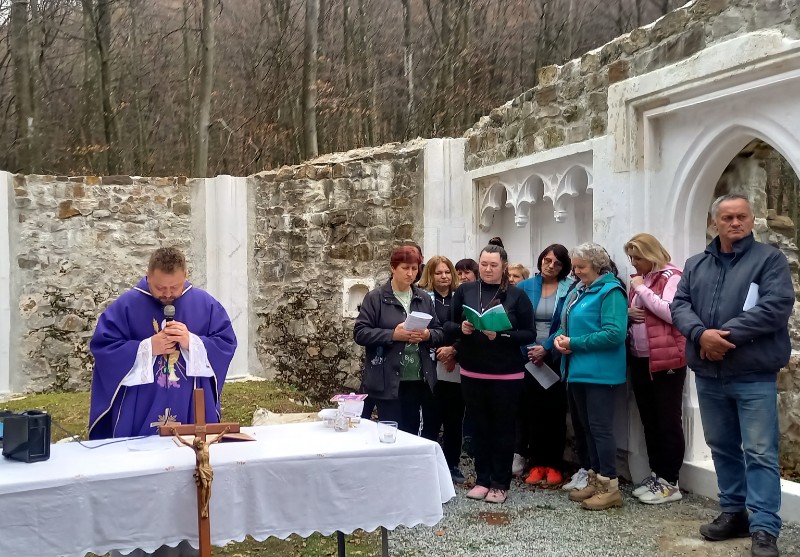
(239, 401)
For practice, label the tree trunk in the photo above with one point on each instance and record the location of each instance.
(188, 121)
(310, 79)
(103, 36)
(408, 71)
(206, 88)
(21, 54)
(347, 32)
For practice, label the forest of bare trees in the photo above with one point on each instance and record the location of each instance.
(205, 87)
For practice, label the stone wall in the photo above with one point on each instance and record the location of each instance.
(76, 244)
(317, 224)
(570, 102)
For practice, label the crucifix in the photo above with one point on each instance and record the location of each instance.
(203, 474)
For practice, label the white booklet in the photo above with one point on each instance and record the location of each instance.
(752, 297)
(417, 321)
(543, 374)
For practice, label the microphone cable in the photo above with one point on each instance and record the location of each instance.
(76, 438)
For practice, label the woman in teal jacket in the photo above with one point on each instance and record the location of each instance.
(591, 340)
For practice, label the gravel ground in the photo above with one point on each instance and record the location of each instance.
(537, 522)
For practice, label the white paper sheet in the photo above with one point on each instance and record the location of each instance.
(417, 321)
(543, 374)
(752, 297)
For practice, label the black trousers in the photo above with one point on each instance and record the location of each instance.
(581, 450)
(493, 404)
(660, 402)
(405, 409)
(447, 415)
(542, 423)
(595, 405)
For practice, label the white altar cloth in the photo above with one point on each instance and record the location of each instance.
(295, 479)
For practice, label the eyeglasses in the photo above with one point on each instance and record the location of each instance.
(557, 264)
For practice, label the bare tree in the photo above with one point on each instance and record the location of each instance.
(27, 158)
(408, 70)
(310, 78)
(206, 87)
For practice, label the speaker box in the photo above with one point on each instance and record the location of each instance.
(26, 436)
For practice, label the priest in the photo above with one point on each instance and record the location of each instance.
(153, 346)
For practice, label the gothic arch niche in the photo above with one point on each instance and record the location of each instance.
(533, 206)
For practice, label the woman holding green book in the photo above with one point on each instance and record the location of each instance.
(492, 366)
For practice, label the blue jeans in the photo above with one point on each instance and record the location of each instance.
(740, 422)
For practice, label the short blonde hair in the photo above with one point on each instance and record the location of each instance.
(648, 247)
(428, 273)
(523, 270)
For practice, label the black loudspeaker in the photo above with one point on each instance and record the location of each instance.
(26, 436)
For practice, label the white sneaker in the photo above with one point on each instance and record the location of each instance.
(661, 492)
(645, 486)
(579, 480)
(518, 465)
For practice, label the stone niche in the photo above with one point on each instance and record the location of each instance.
(354, 290)
(536, 203)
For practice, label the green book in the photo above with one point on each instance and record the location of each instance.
(493, 319)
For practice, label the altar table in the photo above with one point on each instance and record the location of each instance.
(294, 479)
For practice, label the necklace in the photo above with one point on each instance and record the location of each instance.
(480, 297)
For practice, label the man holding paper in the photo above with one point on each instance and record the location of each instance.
(733, 305)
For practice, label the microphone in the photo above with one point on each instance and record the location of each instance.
(169, 313)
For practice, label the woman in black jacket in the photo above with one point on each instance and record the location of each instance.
(492, 370)
(399, 373)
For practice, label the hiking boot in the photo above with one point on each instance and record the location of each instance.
(606, 496)
(727, 526)
(579, 495)
(661, 491)
(496, 496)
(553, 478)
(537, 475)
(457, 476)
(518, 465)
(644, 487)
(764, 545)
(478, 493)
(578, 481)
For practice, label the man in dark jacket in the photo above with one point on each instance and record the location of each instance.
(733, 305)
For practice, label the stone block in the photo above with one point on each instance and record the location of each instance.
(511, 132)
(769, 13)
(404, 231)
(548, 75)
(576, 134)
(94, 180)
(496, 116)
(610, 52)
(590, 62)
(552, 137)
(66, 210)
(527, 109)
(547, 112)
(598, 102)
(117, 180)
(572, 113)
(474, 143)
(728, 23)
(618, 71)
(671, 24)
(635, 41)
(598, 126)
(572, 90)
(182, 208)
(546, 95)
(284, 174)
(597, 80)
(703, 9)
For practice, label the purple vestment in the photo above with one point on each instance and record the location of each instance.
(119, 411)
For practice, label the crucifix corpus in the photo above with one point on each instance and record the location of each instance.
(203, 474)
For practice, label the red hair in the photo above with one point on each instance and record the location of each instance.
(405, 254)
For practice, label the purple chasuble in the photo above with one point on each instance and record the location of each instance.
(118, 411)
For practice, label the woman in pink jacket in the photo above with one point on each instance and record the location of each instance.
(657, 360)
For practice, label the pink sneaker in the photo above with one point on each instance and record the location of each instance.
(478, 493)
(496, 496)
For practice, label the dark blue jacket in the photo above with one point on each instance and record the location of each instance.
(711, 297)
(380, 313)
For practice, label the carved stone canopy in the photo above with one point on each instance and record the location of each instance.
(519, 188)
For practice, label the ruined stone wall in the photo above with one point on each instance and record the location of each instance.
(570, 103)
(76, 244)
(316, 224)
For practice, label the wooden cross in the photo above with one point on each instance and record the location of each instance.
(203, 474)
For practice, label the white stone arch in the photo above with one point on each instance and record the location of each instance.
(705, 160)
(575, 181)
